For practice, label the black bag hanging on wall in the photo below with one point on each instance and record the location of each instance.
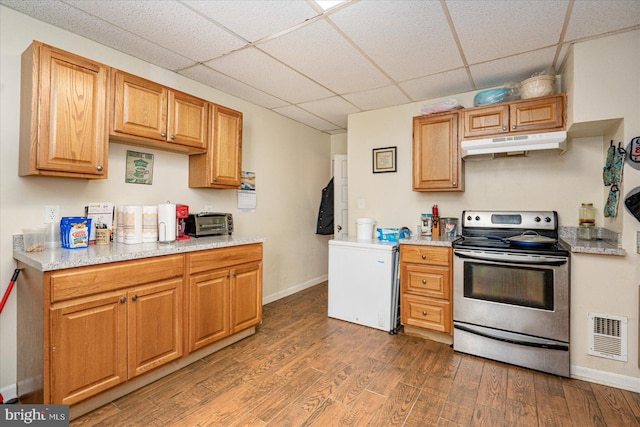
(325, 215)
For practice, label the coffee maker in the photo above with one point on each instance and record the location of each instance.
(182, 213)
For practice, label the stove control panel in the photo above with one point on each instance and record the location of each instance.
(527, 220)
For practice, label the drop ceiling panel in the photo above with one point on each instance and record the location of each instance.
(589, 18)
(261, 71)
(512, 69)
(298, 114)
(377, 98)
(333, 110)
(232, 86)
(438, 85)
(407, 39)
(167, 23)
(254, 20)
(322, 54)
(490, 30)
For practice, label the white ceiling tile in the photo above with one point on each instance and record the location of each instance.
(259, 70)
(307, 118)
(377, 98)
(334, 109)
(322, 54)
(167, 23)
(512, 69)
(254, 20)
(231, 86)
(590, 18)
(407, 39)
(495, 29)
(438, 85)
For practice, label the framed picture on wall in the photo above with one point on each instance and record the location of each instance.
(384, 159)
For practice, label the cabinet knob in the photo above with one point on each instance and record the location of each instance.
(123, 300)
(228, 275)
(134, 297)
(513, 127)
(215, 179)
(424, 257)
(424, 281)
(162, 134)
(99, 168)
(454, 183)
(424, 312)
(172, 137)
(235, 274)
(504, 128)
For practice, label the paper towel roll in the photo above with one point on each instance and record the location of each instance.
(132, 225)
(120, 224)
(167, 222)
(149, 223)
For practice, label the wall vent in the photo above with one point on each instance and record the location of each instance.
(608, 336)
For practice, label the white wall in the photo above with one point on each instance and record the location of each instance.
(544, 180)
(291, 161)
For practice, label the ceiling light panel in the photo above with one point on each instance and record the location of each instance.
(407, 39)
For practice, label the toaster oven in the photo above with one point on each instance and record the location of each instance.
(209, 224)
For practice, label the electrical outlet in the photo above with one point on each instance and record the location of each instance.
(51, 214)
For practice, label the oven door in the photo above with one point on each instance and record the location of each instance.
(512, 294)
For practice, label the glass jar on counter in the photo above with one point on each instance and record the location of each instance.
(587, 214)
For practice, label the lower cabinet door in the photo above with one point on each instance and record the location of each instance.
(246, 296)
(208, 308)
(88, 351)
(154, 325)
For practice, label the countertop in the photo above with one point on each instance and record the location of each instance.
(430, 241)
(57, 258)
(607, 243)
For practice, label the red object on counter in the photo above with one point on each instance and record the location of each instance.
(8, 291)
(182, 213)
(434, 210)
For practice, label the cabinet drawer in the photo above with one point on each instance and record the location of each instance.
(84, 281)
(429, 281)
(426, 313)
(425, 254)
(223, 257)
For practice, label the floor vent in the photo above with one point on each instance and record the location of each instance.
(608, 336)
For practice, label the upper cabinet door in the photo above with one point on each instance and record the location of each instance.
(226, 147)
(187, 120)
(63, 114)
(140, 107)
(539, 114)
(490, 120)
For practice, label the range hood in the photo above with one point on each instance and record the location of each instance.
(514, 145)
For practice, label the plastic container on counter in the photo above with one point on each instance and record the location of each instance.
(448, 226)
(34, 239)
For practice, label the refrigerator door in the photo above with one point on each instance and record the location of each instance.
(363, 283)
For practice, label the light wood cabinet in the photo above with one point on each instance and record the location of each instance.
(149, 114)
(426, 287)
(524, 116)
(437, 165)
(63, 114)
(225, 293)
(220, 166)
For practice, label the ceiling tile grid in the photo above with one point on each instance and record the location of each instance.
(317, 67)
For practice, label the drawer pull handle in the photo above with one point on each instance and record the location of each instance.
(424, 257)
(424, 281)
(424, 312)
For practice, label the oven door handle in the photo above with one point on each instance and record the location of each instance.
(511, 258)
(551, 345)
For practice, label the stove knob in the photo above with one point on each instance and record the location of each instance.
(477, 218)
(469, 218)
(537, 219)
(547, 219)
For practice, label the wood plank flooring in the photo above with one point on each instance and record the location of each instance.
(302, 368)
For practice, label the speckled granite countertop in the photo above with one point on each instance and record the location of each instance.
(430, 241)
(58, 258)
(607, 243)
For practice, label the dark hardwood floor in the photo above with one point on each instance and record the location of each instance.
(302, 368)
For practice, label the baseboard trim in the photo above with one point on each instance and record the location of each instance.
(9, 392)
(605, 378)
(294, 289)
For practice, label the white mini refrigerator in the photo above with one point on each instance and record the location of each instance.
(364, 282)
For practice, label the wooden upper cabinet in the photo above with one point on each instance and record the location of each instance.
(63, 125)
(221, 166)
(149, 114)
(436, 155)
(529, 115)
